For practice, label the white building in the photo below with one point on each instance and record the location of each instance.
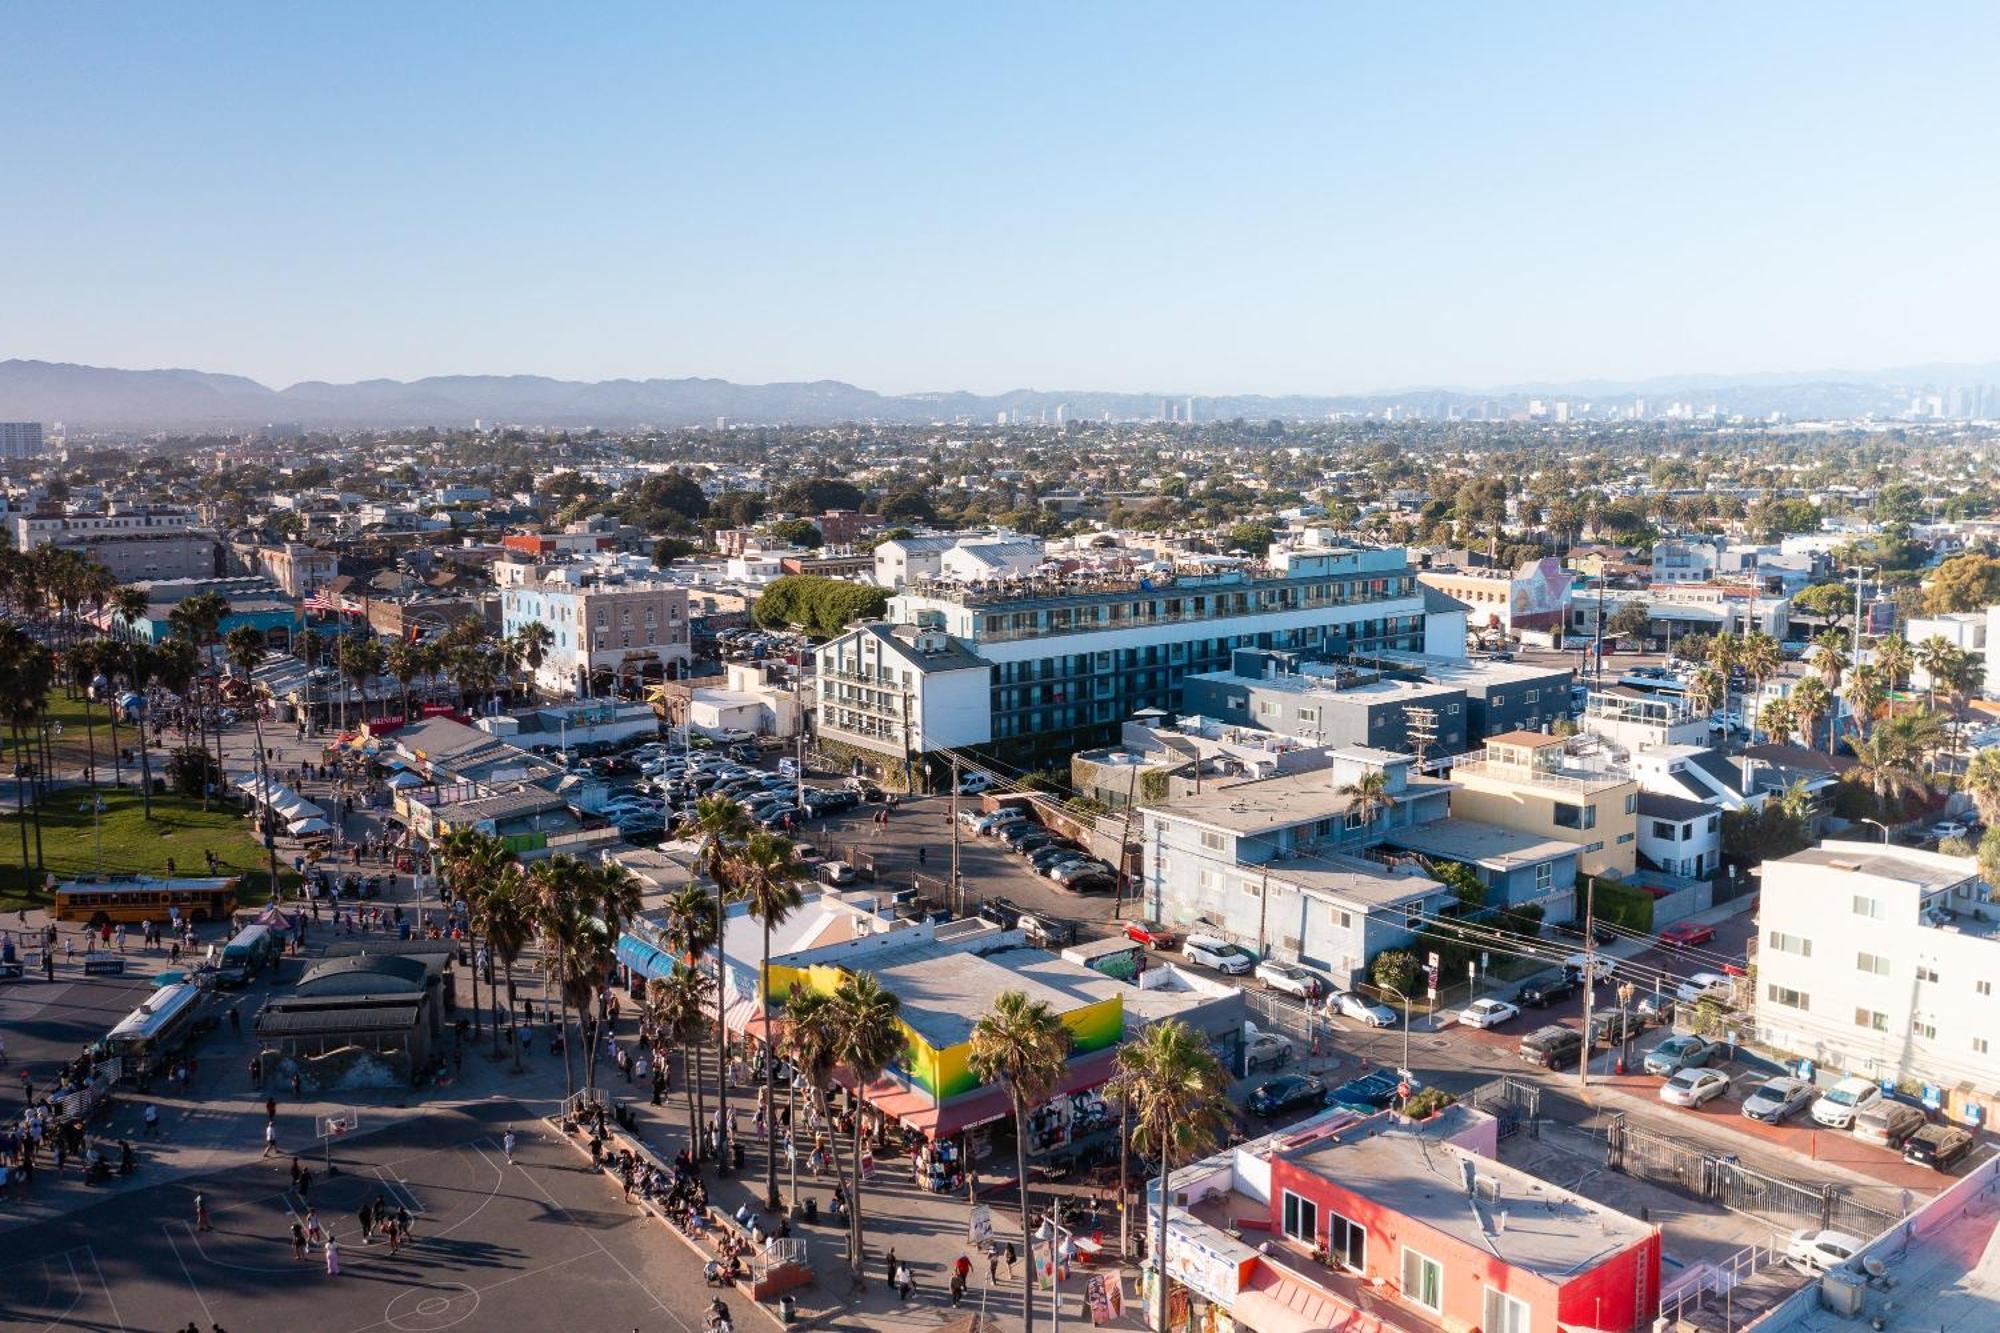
(898, 693)
(747, 702)
(1969, 631)
(1882, 961)
(1678, 836)
(1684, 562)
(630, 628)
(1004, 558)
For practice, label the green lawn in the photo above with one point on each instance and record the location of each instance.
(78, 730)
(180, 829)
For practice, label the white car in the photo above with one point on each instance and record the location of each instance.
(972, 784)
(1816, 1251)
(1949, 828)
(1838, 1105)
(1487, 1013)
(1362, 1010)
(1224, 957)
(836, 872)
(998, 820)
(1597, 968)
(1700, 984)
(1692, 1087)
(1289, 978)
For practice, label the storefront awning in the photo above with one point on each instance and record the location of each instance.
(1274, 1302)
(915, 1108)
(643, 958)
(742, 1012)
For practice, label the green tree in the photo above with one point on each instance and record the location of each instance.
(767, 876)
(1394, 969)
(1831, 602)
(870, 1037)
(820, 606)
(1021, 1047)
(1254, 538)
(678, 1005)
(1969, 582)
(798, 532)
(816, 495)
(669, 549)
(1630, 621)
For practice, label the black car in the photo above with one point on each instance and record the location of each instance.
(1015, 835)
(1284, 1093)
(1549, 990)
(1940, 1147)
(999, 912)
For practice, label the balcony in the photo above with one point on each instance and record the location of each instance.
(1582, 780)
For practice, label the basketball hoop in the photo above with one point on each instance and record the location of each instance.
(335, 1126)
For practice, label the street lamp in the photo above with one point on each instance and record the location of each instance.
(1383, 985)
(1059, 1239)
(1878, 824)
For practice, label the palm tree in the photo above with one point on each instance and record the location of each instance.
(557, 887)
(812, 1035)
(361, 659)
(1179, 1098)
(1368, 796)
(1760, 657)
(870, 1027)
(1982, 784)
(1810, 701)
(1723, 657)
(1865, 694)
(532, 643)
(1777, 720)
(506, 916)
(689, 933)
(1935, 656)
(471, 861)
(1890, 762)
(246, 653)
(1021, 1046)
(130, 606)
(404, 663)
(26, 673)
(142, 663)
(113, 655)
(80, 667)
(768, 875)
(677, 1004)
(1708, 688)
(1893, 655)
(721, 824)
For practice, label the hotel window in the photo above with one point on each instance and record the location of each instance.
(1872, 1019)
(1873, 963)
(1797, 944)
(1423, 1280)
(1926, 973)
(1982, 987)
(1212, 841)
(1785, 995)
(1979, 1045)
(1506, 1314)
(1928, 1031)
(1868, 907)
(1301, 1218)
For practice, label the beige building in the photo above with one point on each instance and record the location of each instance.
(1532, 783)
(299, 569)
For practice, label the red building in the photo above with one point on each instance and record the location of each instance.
(1468, 1242)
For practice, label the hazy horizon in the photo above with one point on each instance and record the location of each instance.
(1291, 200)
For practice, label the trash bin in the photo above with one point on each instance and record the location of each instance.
(737, 1153)
(788, 1309)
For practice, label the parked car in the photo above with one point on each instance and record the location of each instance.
(1705, 984)
(1598, 969)
(1284, 1093)
(1017, 834)
(1549, 990)
(1610, 1027)
(1888, 1124)
(1067, 873)
(1815, 1250)
(1229, 959)
(1266, 1048)
(973, 783)
(1839, 1104)
(1686, 1051)
(1289, 978)
(1686, 935)
(1487, 1013)
(1090, 881)
(1552, 1047)
(1047, 931)
(1363, 1010)
(836, 872)
(1053, 854)
(1940, 1147)
(1692, 1087)
(1000, 820)
(1600, 933)
(1033, 841)
(1152, 934)
(1949, 828)
(1371, 1092)
(1777, 1100)
(1000, 912)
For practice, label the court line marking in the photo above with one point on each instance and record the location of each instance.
(400, 1190)
(567, 1216)
(74, 1301)
(167, 1229)
(505, 1281)
(109, 1299)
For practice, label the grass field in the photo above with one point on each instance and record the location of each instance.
(180, 829)
(79, 729)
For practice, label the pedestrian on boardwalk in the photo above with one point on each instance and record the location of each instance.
(1010, 1260)
(270, 1138)
(201, 1213)
(366, 1216)
(992, 1267)
(313, 1232)
(403, 1222)
(298, 1242)
(889, 1266)
(152, 1118)
(904, 1284)
(270, 1108)
(507, 1146)
(332, 1257)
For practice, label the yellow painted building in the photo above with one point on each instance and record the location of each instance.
(1531, 783)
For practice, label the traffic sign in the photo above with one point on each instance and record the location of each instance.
(1432, 961)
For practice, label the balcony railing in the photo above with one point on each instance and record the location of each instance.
(1581, 780)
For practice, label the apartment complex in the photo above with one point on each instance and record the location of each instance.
(630, 629)
(892, 694)
(1543, 785)
(299, 569)
(20, 439)
(1329, 704)
(1073, 656)
(1882, 961)
(1534, 597)
(137, 543)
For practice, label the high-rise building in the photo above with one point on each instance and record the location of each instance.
(20, 439)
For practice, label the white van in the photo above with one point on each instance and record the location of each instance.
(788, 767)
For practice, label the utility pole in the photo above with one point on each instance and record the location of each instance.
(1125, 841)
(951, 894)
(1589, 977)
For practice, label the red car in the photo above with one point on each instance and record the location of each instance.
(1686, 934)
(1152, 934)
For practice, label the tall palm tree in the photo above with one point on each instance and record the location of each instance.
(569, 933)
(405, 664)
(81, 665)
(246, 649)
(26, 672)
(1810, 701)
(1890, 762)
(1724, 652)
(1760, 657)
(112, 658)
(361, 658)
(532, 643)
(1777, 719)
(768, 875)
(1369, 796)
(812, 1038)
(506, 918)
(721, 825)
(1935, 656)
(1708, 688)
(206, 611)
(142, 665)
(1894, 656)
(471, 861)
(689, 933)
(1021, 1046)
(871, 1038)
(1179, 1098)
(129, 604)
(1865, 694)
(1982, 784)
(677, 1004)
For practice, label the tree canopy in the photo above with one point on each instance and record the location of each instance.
(1969, 582)
(798, 532)
(814, 495)
(817, 605)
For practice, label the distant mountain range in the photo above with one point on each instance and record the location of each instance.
(96, 397)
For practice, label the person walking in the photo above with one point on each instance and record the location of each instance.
(332, 1257)
(1011, 1256)
(507, 1146)
(889, 1266)
(152, 1119)
(904, 1283)
(993, 1268)
(270, 1138)
(201, 1213)
(298, 1242)
(313, 1233)
(366, 1216)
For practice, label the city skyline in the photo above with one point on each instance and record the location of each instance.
(1292, 201)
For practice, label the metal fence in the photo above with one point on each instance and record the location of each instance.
(1646, 1154)
(1514, 1104)
(1282, 1013)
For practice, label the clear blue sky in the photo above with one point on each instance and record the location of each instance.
(1202, 198)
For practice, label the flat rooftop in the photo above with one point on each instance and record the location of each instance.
(1475, 841)
(1470, 675)
(1352, 880)
(1268, 803)
(1926, 871)
(1382, 690)
(944, 990)
(1411, 1169)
